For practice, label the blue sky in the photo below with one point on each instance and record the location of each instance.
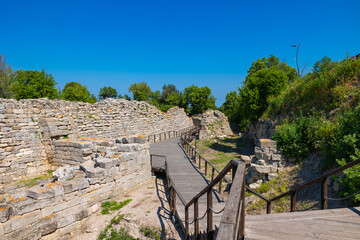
(212, 43)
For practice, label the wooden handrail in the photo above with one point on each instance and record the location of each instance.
(232, 222)
(196, 152)
(226, 169)
(238, 170)
(322, 179)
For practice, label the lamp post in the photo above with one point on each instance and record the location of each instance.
(297, 53)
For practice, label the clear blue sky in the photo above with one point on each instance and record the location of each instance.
(212, 43)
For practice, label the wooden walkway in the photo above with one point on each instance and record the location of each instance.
(339, 224)
(342, 224)
(188, 180)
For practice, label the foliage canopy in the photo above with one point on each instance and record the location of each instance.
(34, 84)
(74, 91)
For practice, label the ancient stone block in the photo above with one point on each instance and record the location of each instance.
(107, 162)
(267, 143)
(246, 159)
(46, 225)
(81, 215)
(63, 173)
(66, 220)
(260, 168)
(5, 212)
(40, 192)
(76, 184)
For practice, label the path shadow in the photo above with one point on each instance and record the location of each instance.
(355, 210)
(243, 145)
(163, 212)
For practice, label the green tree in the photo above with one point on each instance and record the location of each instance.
(266, 78)
(107, 92)
(127, 97)
(199, 99)
(74, 91)
(155, 99)
(231, 105)
(34, 84)
(324, 65)
(141, 91)
(6, 79)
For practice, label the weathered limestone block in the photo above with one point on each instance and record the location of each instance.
(46, 225)
(267, 143)
(63, 173)
(40, 192)
(76, 184)
(5, 212)
(24, 205)
(66, 220)
(81, 215)
(107, 162)
(260, 168)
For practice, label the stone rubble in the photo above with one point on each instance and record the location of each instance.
(265, 165)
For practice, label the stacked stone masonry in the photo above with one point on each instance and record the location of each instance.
(266, 163)
(99, 151)
(212, 124)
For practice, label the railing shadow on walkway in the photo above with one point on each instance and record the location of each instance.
(163, 212)
(218, 196)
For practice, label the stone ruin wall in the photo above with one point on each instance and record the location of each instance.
(29, 129)
(103, 148)
(212, 124)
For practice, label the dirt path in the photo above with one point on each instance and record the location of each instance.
(148, 208)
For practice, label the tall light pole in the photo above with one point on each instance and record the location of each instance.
(297, 53)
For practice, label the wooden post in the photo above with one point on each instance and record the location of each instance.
(196, 218)
(324, 193)
(241, 232)
(174, 203)
(293, 202)
(209, 212)
(206, 168)
(187, 222)
(212, 174)
(171, 199)
(220, 186)
(152, 170)
(268, 207)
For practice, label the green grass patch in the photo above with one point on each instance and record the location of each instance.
(121, 234)
(32, 181)
(110, 206)
(151, 232)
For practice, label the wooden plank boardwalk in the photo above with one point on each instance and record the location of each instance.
(330, 224)
(188, 180)
(339, 224)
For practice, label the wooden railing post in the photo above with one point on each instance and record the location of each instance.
(293, 202)
(171, 199)
(268, 207)
(209, 212)
(212, 174)
(174, 203)
(187, 222)
(196, 217)
(220, 187)
(206, 168)
(241, 232)
(324, 193)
